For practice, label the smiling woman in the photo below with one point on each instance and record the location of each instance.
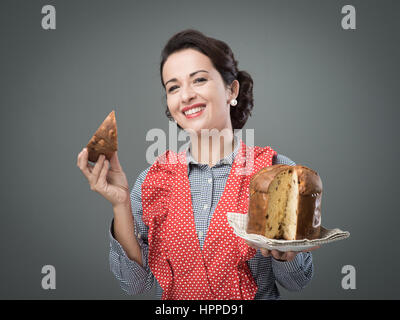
(215, 62)
(172, 231)
(206, 94)
(200, 99)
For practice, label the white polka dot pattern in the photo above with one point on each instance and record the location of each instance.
(184, 269)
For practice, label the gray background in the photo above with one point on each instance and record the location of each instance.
(325, 97)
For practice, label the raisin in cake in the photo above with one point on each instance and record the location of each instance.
(105, 139)
(285, 203)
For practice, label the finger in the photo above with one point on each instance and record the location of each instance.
(85, 155)
(290, 255)
(114, 162)
(90, 167)
(265, 252)
(101, 182)
(79, 159)
(96, 170)
(277, 254)
(82, 162)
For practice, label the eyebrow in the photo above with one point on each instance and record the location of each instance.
(190, 75)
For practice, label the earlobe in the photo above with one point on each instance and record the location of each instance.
(233, 91)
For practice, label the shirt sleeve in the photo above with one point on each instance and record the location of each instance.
(296, 274)
(281, 159)
(133, 278)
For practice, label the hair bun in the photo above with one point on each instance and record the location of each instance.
(241, 112)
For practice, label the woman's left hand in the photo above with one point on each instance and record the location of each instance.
(280, 255)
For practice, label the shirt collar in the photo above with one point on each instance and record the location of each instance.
(227, 160)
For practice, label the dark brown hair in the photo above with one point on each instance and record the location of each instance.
(224, 62)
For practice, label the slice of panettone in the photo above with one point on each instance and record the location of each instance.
(105, 139)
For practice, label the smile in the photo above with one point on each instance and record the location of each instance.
(194, 112)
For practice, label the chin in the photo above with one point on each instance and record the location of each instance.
(191, 130)
(196, 127)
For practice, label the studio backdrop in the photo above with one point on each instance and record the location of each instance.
(326, 95)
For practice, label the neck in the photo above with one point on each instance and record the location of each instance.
(210, 148)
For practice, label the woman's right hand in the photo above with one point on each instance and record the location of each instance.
(111, 183)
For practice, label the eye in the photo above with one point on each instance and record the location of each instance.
(196, 80)
(172, 88)
(200, 80)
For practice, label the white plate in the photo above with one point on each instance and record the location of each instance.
(239, 222)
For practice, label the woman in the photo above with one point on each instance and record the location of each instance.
(172, 229)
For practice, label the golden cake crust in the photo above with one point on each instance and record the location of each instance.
(309, 200)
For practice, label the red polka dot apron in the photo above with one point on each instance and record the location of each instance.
(183, 269)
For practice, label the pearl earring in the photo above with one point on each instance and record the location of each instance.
(233, 102)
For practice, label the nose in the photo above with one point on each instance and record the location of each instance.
(187, 94)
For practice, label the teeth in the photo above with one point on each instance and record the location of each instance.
(194, 110)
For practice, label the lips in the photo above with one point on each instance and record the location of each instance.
(193, 106)
(194, 110)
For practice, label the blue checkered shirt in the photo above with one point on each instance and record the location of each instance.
(206, 185)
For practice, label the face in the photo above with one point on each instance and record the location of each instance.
(190, 79)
